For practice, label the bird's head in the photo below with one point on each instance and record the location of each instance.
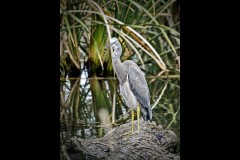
(115, 44)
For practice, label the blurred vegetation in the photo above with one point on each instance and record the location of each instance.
(149, 32)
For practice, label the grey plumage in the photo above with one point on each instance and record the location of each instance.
(133, 85)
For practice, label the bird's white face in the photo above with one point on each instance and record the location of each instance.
(114, 43)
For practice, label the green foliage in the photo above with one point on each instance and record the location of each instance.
(148, 31)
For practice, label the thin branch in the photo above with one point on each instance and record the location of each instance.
(160, 96)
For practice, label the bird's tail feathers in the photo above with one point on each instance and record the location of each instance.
(149, 113)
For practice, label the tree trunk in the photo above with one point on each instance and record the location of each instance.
(153, 142)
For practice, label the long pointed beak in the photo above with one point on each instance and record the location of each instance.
(108, 45)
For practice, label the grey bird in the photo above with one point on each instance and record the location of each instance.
(133, 85)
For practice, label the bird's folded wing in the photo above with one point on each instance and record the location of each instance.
(138, 85)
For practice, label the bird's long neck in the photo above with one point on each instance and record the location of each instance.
(117, 53)
(120, 70)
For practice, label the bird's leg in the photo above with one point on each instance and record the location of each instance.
(138, 115)
(132, 120)
(131, 132)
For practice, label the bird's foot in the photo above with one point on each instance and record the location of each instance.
(130, 133)
(115, 124)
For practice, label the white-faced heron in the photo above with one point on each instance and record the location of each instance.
(133, 85)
